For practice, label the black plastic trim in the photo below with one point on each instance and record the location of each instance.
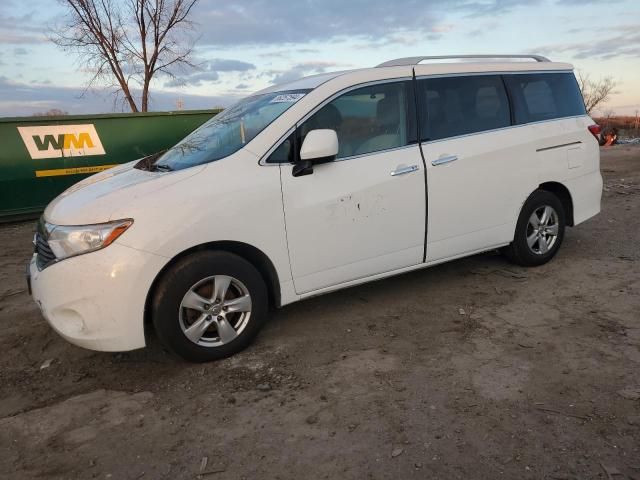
(558, 146)
(414, 89)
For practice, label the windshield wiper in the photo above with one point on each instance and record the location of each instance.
(160, 168)
(146, 163)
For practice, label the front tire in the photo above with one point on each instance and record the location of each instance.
(209, 305)
(539, 231)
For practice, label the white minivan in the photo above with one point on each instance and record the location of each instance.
(316, 185)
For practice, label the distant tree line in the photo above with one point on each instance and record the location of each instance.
(52, 112)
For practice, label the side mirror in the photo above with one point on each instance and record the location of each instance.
(319, 146)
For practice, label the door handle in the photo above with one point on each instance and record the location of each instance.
(403, 170)
(444, 159)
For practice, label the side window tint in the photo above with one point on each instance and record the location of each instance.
(539, 99)
(545, 96)
(462, 105)
(367, 120)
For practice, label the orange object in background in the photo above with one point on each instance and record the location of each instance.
(609, 137)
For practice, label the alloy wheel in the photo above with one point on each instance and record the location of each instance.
(215, 310)
(542, 230)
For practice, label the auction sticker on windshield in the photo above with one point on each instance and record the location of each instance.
(287, 98)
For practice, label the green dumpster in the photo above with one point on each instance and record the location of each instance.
(42, 156)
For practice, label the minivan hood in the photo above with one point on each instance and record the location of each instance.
(96, 198)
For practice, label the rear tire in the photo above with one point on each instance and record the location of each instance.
(539, 231)
(209, 305)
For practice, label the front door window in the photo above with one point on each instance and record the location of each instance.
(368, 119)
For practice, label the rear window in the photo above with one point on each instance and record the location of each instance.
(544, 96)
(462, 105)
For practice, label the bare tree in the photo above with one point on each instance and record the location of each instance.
(124, 43)
(595, 92)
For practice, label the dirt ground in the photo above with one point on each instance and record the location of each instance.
(473, 370)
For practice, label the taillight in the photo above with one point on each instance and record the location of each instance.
(595, 130)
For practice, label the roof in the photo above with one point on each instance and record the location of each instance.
(305, 83)
(436, 65)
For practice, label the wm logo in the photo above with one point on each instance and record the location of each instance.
(61, 141)
(64, 141)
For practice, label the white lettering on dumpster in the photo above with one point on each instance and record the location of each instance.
(52, 141)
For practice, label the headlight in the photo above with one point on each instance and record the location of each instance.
(68, 241)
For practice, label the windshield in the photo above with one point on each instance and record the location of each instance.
(229, 131)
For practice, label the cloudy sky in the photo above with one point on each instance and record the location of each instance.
(244, 46)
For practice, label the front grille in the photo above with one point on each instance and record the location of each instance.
(45, 255)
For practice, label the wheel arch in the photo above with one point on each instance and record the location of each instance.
(250, 253)
(563, 194)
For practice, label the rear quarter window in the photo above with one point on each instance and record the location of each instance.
(544, 96)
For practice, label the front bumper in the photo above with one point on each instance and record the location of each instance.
(97, 300)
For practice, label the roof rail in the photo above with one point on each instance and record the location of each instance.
(416, 60)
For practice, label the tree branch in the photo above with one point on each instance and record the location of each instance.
(128, 43)
(595, 93)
